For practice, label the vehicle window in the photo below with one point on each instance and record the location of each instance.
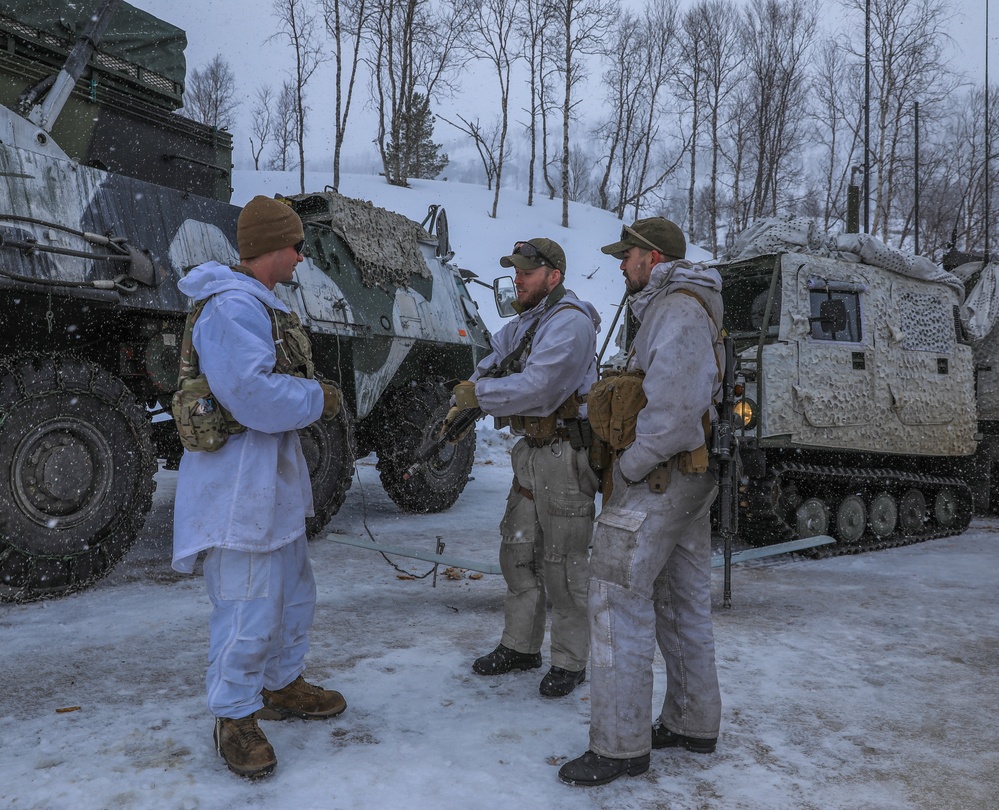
(835, 315)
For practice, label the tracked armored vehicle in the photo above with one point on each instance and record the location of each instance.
(855, 398)
(107, 197)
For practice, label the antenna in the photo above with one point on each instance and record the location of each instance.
(988, 139)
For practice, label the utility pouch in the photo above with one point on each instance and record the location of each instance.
(613, 405)
(580, 433)
(541, 428)
(600, 456)
(695, 461)
(200, 420)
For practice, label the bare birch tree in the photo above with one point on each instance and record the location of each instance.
(581, 25)
(345, 23)
(261, 123)
(908, 64)
(776, 37)
(285, 128)
(490, 33)
(722, 74)
(414, 50)
(297, 25)
(210, 95)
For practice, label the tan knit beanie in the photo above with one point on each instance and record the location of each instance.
(265, 225)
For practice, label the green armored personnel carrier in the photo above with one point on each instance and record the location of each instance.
(107, 196)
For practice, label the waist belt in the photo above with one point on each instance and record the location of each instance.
(561, 434)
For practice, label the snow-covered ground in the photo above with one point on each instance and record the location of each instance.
(857, 682)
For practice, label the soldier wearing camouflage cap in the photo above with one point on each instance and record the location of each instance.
(650, 570)
(547, 352)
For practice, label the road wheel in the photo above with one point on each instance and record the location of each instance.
(812, 518)
(883, 515)
(945, 508)
(328, 448)
(851, 519)
(414, 416)
(912, 512)
(76, 474)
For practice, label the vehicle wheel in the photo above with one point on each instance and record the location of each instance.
(328, 448)
(77, 475)
(812, 518)
(945, 508)
(851, 519)
(415, 416)
(883, 515)
(912, 513)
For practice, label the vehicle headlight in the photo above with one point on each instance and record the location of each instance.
(745, 412)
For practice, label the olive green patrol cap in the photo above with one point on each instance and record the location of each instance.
(535, 252)
(653, 233)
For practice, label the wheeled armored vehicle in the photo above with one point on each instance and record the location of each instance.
(107, 196)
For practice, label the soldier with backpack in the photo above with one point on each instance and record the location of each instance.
(650, 569)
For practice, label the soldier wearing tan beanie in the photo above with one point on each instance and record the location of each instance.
(266, 225)
(244, 500)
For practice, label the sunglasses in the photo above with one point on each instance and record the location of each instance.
(528, 251)
(299, 247)
(626, 232)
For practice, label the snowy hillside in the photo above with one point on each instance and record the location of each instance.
(479, 240)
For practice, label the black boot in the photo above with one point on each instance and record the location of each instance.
(503, 659)
(560, 682)
(593, 769)
(662, 737)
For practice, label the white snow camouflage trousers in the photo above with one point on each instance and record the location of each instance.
(263, 606)
(545, 549)
(650, 582)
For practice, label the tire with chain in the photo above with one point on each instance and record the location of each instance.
(328, 447)
(414, 415)
(77, 474)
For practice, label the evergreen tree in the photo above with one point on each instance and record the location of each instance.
(416, 155)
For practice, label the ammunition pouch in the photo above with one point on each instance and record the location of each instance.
(613, 405)
(542, 428)
(202, 423)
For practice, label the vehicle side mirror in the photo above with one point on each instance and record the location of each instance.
(505, 294)
(832, 316)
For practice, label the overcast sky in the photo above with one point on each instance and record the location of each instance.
(213, 27)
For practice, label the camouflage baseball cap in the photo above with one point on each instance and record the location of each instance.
(654, 233)
(534, 253)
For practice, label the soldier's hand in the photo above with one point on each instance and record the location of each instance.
(332, 398)
(464, 395)
(451, 416)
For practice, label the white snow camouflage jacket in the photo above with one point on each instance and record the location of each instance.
(254, 493)
(561, 361)
(676, 347)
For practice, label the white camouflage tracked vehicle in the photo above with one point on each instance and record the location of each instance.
(107, 197)
(854, 392)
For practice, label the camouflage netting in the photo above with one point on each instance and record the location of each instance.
(800, 235)
(385, 244)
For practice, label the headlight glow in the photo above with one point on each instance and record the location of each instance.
(745, 411)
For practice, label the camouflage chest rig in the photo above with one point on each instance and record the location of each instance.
(202, 422)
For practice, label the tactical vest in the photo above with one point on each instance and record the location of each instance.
(614, 402)
(202, 422)
(540, 428)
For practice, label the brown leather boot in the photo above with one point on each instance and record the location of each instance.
(244, 747)
(301, 699)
